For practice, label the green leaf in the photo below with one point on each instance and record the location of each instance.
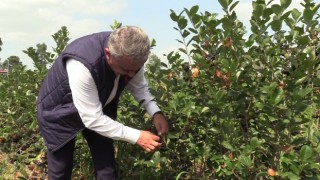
(183, 50)
(153, 43)
(303, 40)
(254, 143)
(245, 160)
(308, 49)
(258, 11)
(180, 174)
(182, 23)
(302, 92)
(298, 141)
(295, 14)
(227, 145)
(285, 15)
(276, 25)
(173, 135)
(277, 9)
(285, 3)
(226, 23)
(308, 15)
(194, 10)
(224, 3)
(301, 80)
(205, 109)
(277, 96)
(267, 13)
(254, 27)
(233, 66)
(196, 20)
(193, 30)
(300, 106)
(174, 16)
(28, 93)
(315, 8)
(225, 63)
(306, 153)
(185, 33)
(233, 6)
(251, 39)
(197, 56)
(292, 176)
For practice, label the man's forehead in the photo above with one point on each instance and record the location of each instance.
(130, 64)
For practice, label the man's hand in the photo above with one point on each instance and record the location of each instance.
(148, 141)
(161, 124)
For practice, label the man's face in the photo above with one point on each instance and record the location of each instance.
(123, 66)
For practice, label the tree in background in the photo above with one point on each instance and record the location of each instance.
(153, 64)
(12, 62)
(1, 44)
(0, 51)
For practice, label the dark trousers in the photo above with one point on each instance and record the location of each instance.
(60, 162)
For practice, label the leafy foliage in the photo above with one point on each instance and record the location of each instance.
(254, 105)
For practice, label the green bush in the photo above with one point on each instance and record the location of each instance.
(254, 106)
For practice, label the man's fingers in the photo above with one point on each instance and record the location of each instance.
(148, 141)
(156, 144)
(153, 146)
(156, 138)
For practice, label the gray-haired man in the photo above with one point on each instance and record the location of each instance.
(81, 92)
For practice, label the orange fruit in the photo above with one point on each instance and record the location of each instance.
(227, 42)
(195, 72)
(170, 75)
(230, 155)
(271, 172)
(281, 85)
(218, 73)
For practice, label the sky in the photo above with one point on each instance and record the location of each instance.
(26, 23)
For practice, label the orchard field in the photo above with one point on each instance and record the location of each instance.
(242, 102)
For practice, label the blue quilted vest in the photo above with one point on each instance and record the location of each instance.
(58, 118)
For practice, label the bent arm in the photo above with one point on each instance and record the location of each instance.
(139, 88)
(86, 100)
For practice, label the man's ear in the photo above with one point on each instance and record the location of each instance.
(107, 51)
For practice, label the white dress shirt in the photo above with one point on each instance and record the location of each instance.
(86, 100)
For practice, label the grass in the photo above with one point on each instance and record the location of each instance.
(7, 169)
(10, 171)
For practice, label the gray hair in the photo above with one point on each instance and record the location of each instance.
(130, 42)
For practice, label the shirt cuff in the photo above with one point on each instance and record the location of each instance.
(152, 108)
(132, 135)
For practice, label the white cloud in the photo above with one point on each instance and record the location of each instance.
(25, 23)
(244, 9)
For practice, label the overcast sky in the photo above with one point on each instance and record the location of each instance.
(25, 23)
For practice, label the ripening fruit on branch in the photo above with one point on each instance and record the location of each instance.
(195, 72)
(170, 75)
(271, 172)
(218, 73)
(230, 155)
(282, 85)
(227, 42)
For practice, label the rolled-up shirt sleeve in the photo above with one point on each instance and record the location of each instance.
(86, 100)
(138, 87)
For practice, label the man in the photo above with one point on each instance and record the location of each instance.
(81, 92)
